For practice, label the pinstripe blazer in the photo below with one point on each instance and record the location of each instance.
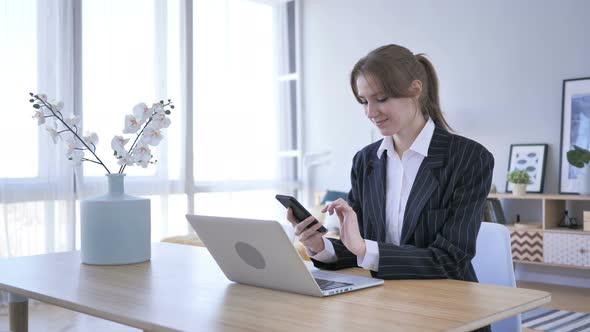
(443, 213)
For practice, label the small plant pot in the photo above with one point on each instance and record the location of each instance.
(518, 189)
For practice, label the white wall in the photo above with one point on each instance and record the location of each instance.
(501, 66)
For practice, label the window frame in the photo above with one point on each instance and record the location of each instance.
(39, 187)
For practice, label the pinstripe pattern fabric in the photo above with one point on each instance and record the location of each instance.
(443, 213)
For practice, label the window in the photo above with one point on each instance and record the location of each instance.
(104, 57)
(131, 54)
(235, 116)
(244, 101)
(18, 65)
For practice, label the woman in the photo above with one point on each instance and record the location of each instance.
(417, 196)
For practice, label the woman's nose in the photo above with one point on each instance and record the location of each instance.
(371, 110)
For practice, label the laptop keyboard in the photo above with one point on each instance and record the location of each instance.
(327, 284)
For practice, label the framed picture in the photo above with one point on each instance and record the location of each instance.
(532, 158)
(575, 130)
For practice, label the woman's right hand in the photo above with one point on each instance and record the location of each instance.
(310, 238)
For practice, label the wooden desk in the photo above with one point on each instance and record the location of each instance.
(182, 288)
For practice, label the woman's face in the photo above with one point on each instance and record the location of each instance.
(390, 115)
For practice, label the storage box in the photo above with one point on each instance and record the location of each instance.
(587, 226)
(586, 216)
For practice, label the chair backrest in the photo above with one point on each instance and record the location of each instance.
(493, 265)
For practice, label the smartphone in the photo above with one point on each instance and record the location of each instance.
(299, 212)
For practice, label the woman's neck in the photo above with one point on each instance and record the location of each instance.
(406, 137)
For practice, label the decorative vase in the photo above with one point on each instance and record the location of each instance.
(115, 228)
(585, 180)
(519, 189)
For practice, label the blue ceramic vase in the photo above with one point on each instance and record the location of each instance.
(115, 228)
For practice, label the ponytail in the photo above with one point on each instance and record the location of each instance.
(429, 100)
(395, 68)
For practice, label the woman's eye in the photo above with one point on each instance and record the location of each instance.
(363, 102)
(382, 100)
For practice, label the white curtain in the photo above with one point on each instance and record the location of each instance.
(42, 53)
(37, 213)
(41, 208)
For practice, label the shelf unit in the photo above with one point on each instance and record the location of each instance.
(547, 244)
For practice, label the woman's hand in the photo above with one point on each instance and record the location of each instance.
(310, 238)
(349, 227)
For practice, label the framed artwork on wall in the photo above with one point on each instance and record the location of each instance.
(532, 158)
(575, 130)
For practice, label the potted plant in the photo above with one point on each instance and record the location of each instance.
(580, 158)
(519, 179)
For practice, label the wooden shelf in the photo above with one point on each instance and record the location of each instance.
(553, 238)
(553, 265)
(567, 197)
(567, 230)
(526, 226)
(511, 196)
(553, 197)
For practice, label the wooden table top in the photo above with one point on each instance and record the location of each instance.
(182, 288)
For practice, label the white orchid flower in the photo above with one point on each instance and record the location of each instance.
(73, 152)
(157, 107)
(132, 124)
(76, 157)
(152, 136)
(70, 147)
(141, 112)
(143, 162)
(42, 96)
(91, 139)
(159, 120)
(142, 154)
(40, 117)
(125, 159)
(53, 133)
(57, 105)
(72, 121)
(118, 144)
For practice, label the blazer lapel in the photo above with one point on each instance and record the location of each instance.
(376, 176)
(425, 183)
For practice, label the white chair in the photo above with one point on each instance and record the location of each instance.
(493, 265)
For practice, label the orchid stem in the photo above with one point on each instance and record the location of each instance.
(73, 132)
(92, 161)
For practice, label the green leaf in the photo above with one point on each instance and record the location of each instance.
(578, 157)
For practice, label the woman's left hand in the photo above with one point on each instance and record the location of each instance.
(349, 227)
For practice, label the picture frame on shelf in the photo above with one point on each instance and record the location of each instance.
(575, 130)
(533, 159)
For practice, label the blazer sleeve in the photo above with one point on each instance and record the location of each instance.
(450, 254)
(346, 258)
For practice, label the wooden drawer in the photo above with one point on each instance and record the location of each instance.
(567, 249)
(527, 246)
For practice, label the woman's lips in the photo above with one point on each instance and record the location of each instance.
(380, 123)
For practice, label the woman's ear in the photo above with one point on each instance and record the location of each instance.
(416, 88)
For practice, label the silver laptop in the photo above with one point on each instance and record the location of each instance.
(259, 253)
